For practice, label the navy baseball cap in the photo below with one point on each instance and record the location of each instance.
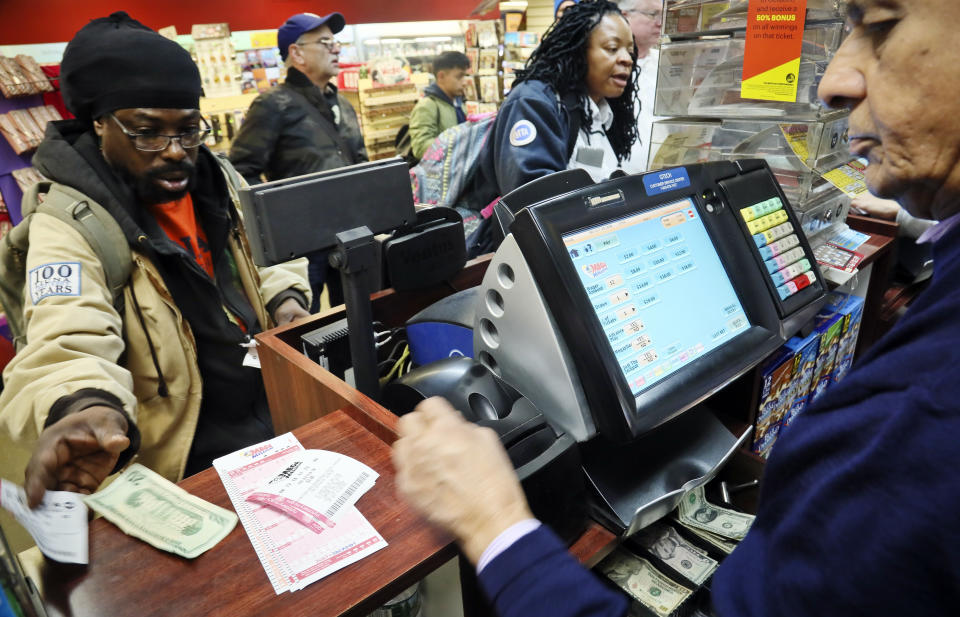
(290, 31)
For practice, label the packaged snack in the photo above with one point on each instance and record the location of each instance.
(12, 81)
(804, 362)
(831, 328)
(14, 135)
(775, 398)
(851, 308)
(35, 75)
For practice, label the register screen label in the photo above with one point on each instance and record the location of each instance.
(657, 285)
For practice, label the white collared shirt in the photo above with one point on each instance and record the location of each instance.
(593, 151)
(647, 94)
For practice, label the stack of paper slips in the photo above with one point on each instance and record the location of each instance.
(297, 507)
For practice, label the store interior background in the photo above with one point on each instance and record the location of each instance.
(416, 30)
(43, 33)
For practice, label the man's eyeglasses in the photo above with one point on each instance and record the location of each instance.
(330, 43)
(156, 142)
(652, 15)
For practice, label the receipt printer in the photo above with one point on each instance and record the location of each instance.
(547, 462)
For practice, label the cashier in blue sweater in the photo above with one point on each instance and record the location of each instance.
(858, 511)
(571, 107)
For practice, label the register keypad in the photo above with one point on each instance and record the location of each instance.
(779, 246)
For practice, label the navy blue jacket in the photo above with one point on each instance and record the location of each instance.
(509, 162)
(537, 576)
(859, 510)
(858, 513)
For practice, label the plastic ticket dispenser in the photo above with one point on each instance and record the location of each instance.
(618, 307)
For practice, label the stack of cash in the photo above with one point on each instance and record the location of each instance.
(714, 528)
(698, 513)
(720, 543)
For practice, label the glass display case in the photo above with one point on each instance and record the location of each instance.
(703, 77)
(797, 152)
(696, 17)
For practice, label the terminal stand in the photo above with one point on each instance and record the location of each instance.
(356, 257)
(634, 484)
(663, 465)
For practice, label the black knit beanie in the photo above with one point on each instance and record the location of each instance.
(116, 62)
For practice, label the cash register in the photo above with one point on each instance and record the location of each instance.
(617, 308)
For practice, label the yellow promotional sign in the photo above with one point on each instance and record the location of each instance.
(771, 59)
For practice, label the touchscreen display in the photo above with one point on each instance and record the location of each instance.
(659, 289)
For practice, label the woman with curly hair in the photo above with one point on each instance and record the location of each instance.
(571, 107)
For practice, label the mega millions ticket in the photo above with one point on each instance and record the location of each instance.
(292, 554)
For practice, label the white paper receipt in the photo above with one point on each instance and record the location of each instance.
(58, 525)
(315, 486)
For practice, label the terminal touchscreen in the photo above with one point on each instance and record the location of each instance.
(658, 288)
(662, 287)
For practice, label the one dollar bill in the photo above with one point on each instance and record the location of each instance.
(696, 511)
(671, 548)
(145, 505)
(644, 583)
(719, 542)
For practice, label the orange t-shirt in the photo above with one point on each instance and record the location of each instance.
(179, 221)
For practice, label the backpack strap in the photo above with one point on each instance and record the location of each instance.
(235, 181)
(94, 223)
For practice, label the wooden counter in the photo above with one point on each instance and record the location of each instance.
(127, 577)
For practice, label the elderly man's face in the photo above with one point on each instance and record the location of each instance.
(646, 21)
(317, 54)
(899, 74)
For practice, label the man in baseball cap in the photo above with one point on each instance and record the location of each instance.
(303, 125)
(301, 23)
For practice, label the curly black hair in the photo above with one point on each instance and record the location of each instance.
(561, 61)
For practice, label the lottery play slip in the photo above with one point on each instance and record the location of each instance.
(297, 507)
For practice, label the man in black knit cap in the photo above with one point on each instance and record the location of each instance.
(152, 367)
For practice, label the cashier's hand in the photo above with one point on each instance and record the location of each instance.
(876, 207)
(76, 453)
(457, 475)
(289, 310)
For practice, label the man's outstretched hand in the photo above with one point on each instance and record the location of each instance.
(76, 453)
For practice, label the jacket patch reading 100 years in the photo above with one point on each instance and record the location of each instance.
(56, 279)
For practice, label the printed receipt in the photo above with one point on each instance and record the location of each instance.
(315, 487)
(58, 525)
(292, 554)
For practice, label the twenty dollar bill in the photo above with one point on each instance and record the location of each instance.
(145, 505)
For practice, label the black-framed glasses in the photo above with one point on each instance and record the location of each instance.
(157, 142)
(329, 42)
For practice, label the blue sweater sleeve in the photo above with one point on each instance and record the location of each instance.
(518, 158)
(537, 576)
